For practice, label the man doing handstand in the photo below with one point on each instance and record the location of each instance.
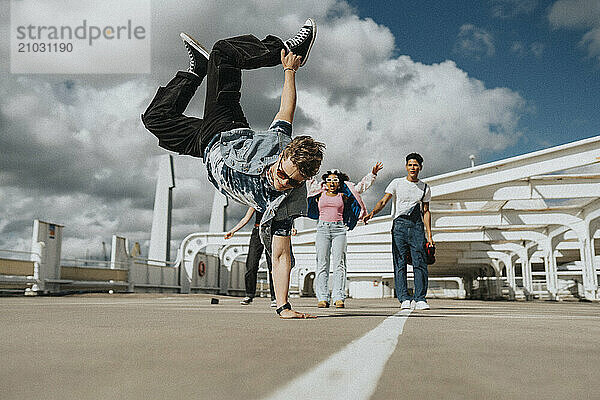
(265, 170)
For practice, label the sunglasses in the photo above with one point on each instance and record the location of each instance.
(282, 175)
(334, 180)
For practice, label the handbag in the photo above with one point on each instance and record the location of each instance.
(429, 253)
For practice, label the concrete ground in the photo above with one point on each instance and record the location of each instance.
(181, 346)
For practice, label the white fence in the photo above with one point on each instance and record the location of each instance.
(42, 270)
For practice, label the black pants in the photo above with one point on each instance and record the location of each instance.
(222, 110)
(255, 251)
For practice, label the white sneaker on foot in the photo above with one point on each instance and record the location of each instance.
(273, 303)
(422, 305)
(406, 305)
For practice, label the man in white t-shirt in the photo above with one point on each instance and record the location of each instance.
(411, 219)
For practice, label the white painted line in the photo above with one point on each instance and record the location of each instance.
(353, 372)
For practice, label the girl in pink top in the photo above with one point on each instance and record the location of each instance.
(339, 206)
(331, 207)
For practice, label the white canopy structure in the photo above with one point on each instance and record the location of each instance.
(529, 219)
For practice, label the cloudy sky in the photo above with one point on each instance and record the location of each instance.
(494, 78)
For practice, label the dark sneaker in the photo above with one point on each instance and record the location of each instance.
(301, 43)
(246, 300)
(198, 55)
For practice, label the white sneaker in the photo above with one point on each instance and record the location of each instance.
(422, 305)
(405, 305)
(273, 303)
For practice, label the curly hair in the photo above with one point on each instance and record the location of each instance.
(341, 176)
(306, 154)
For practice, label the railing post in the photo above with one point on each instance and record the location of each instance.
(50, 235)
(37, 256)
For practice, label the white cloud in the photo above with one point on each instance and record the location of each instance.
(518, 48)
(512, 8)
(581, 15)
(537, 49)
(574, 13)
(74, 151)
(521, 49)
(440, 112)
(474, 42)
(591, 40)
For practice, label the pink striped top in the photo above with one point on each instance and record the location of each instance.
(331, 209)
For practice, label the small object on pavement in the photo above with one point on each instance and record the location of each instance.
(246, 300)
(214, 300)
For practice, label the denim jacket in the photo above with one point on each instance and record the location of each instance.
(250, 152)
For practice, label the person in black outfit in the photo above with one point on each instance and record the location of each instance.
(255, 251)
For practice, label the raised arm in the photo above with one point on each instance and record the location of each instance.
(290, 63)
(378, 207)
(240, 224)
(368, 180)
(313, 186)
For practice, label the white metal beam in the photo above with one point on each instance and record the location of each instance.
(570, 155)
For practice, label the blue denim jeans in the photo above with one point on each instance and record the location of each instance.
(408, 236)
(330, 242)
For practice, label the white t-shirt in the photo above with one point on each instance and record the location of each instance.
(406, 195)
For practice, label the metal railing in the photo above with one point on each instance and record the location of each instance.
(87, 263)
(20, 252)
(152, 273)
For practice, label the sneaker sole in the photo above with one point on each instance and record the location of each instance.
(197, 46)
(314, 35)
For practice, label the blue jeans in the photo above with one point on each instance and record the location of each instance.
(408, 236)
(330, 242)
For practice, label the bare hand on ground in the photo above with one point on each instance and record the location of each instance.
(291, 314)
